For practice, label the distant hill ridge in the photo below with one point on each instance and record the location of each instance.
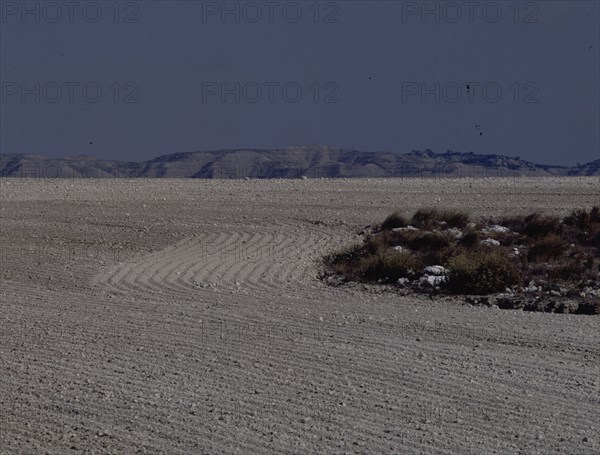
(313, 161)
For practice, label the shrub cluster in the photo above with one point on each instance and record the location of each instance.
(481, 258)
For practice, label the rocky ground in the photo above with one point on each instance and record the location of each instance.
(186, 316)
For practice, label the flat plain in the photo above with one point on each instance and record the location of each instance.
(186, 316)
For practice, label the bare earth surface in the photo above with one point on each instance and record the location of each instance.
(185, 316)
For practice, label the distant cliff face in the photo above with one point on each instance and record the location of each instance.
(293, 162)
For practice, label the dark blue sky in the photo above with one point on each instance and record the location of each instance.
(366, 75)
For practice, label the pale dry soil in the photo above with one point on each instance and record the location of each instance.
(185, 316)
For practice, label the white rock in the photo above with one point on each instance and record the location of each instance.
(490, 242)
(455, 232)
(435, 270)
(403, 281)
(532, 287)
(497, 229)
(431, 280)
(398, 248)
(407, 228)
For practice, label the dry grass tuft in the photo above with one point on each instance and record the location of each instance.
(549, 247)
(395, 220)
(430, 219)
(482, 273)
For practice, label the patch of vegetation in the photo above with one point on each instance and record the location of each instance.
(533, 253)
(372, 262)
(532, 225)
(388, 267)
(434, 218)
(423, 240)
(547, 248)
(470, 240)
(584, 227)
(395, 220)
(482, 273)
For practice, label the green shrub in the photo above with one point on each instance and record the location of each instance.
(482, 273)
